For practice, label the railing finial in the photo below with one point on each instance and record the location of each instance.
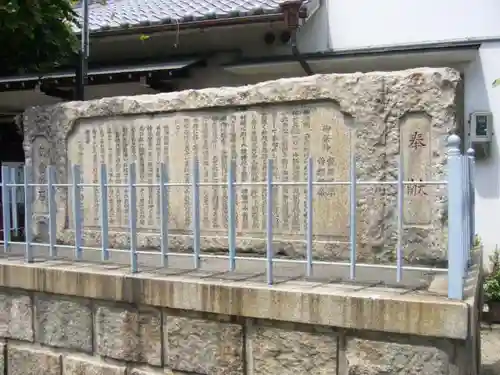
(454, 143)
(471, 152)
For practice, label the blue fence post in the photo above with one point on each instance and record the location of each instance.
(399, 245)
(28, 201)
(269, 222)
(132, 215)
(353, 232)
(164, 214)
(13, 189)
(456, 267)
(196, 213)
(231, 214)
(77, 209)
(103, 184)
(471, 154)
(309, 218)
(51, 191)
(465, 210)
(5, 207)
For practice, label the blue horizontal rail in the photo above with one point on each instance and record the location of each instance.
(459, 184)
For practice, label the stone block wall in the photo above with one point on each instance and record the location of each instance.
(52, 334)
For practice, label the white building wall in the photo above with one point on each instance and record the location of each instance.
(363, 23)
(480, 95)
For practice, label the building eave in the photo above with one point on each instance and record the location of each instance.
(346, 61)
(151, 74)
(365, 52)
(192, 25)
(256, 16)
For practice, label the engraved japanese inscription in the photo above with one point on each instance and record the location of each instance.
(287, 133)
(40, 160)
(416, 148)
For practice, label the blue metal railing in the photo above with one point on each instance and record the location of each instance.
(460, 213)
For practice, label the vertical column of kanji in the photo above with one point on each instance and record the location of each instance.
(150, 178)
(121, 220)
(158, 159)
(94, 191)
(141, 205)
(416, 149)
(111, 176)
(298, 195)
(207, 192)
(254, 200)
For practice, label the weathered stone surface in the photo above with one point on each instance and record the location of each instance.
(154, 371)
(86, 365)
(25, 359)
(287, 352)
(2, 358)
(215, 348)
(16, 316)
(63, 322)
(368, 357)
(211, 135)
(125, 333)
(391, 112)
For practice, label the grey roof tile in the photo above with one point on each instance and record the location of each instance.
(118, 14)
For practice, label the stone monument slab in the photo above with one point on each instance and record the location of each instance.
(377, 117)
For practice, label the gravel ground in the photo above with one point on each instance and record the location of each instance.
(490, 350)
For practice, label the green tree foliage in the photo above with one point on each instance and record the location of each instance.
(36, 35)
